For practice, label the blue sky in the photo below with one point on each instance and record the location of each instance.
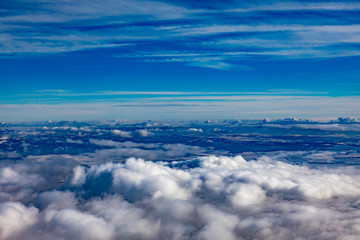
(157, 59)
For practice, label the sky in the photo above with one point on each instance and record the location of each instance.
(78, 60)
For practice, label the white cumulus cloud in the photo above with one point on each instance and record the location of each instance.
(121, 133)
(209, 197)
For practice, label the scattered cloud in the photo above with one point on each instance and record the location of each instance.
(152, 151)
(303, 6)
(326, 127)
(52, 91)
(196, 130)
(143, 132)
(121, 133)
(217, 65)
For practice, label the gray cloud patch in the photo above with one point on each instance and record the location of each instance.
(150, 151)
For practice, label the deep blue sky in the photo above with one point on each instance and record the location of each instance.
(78, 54)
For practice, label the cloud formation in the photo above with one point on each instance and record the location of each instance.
(208, 197)
(200, 106)
(121, 133)
(150, 151)
(237, 31)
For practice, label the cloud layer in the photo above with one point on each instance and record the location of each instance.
(235, 179)
(204, 198)
(220, 33)
(198, 106)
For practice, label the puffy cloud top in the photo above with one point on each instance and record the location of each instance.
(209, 197)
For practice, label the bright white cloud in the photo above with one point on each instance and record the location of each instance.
(196, 130)
(15, 218)
(205, 198)
(121, 133)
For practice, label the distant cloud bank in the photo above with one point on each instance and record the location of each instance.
(184, 105)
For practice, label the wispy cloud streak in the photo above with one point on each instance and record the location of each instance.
(324, 30)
